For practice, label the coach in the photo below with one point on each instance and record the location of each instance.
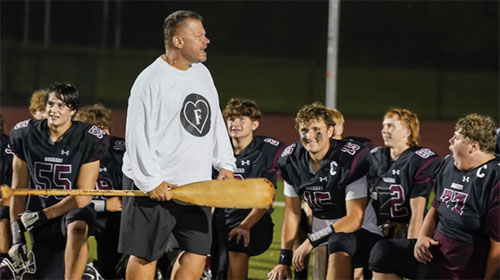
(175, 133)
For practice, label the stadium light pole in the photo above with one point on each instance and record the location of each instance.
(332, 53)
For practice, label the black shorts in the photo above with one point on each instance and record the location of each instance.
(396, 256)
(261, 237)
(357, 244)
(56, 229)
(49, 241)
(106, 236)
(146, 225)
(4, 212)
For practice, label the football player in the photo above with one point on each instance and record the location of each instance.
(339, 120)
(330, 175)
(38, 104)
(110, 177)
(5, 178)
(247, 232)
(320, 261)
(460, 236)
(58, 153)
(400, 177)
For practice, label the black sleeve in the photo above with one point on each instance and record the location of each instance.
(424, 176)
(16, 139)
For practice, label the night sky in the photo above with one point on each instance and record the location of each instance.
(449, 34)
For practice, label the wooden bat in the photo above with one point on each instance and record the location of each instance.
(243, 194)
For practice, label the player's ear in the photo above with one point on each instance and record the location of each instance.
(177, 42)
(474, 146)
(330, 131)
(255, 125)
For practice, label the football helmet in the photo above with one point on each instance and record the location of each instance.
(17, 270)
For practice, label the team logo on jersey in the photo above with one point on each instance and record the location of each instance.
(196, 114)
(245, 162)
(103, 169)
(323, 179)
(465, 179)
(272, 141)
(64, 152)
(425, 153)
(396, 172)
(288, 150)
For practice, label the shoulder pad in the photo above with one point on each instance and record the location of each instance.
(350, 148)
(425, 153)
(374, 150)
(97, 132)
(288, 150)
(22, 124)
(272, 141)
(119, 144)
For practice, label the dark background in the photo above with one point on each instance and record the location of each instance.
(430, 35)
(460, 34)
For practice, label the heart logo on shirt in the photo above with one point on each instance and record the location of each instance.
(195, 115)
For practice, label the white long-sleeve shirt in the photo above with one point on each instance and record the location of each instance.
(175, 131)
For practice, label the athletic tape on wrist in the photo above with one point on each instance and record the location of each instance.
(99, 205)
(18, 232)
(286, 257)
(322, 235)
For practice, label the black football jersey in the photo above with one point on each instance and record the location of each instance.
(363, 140)
(110, 169)
(258, 160)
(467, 202)
(393, 183)
(344, 163)
(55, 165)
(5, 161)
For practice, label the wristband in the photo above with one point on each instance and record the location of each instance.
(286, 257)
(322, 235)
(99, 205)
(18, 232)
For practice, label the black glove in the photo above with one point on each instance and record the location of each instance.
(18, 251)
(32, 220)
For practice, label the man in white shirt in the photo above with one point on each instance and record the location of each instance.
(175, 133)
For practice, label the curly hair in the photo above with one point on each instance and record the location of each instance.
(38, 101)
(315, 111)
(98, 115)
(409, 120)
(242, 107)
(479, 128)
